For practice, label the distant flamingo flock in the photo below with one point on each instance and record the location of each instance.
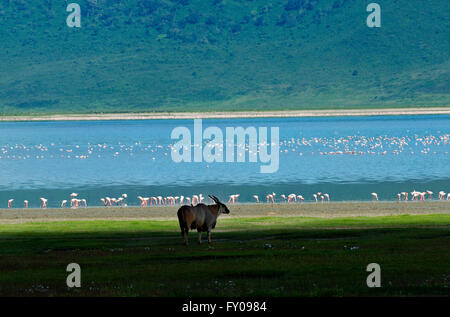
(270, 198)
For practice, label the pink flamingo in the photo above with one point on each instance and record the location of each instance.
(405, 196)
(256, 198)
(315, 197)
(233, 198)
(271, 197)
(194, 200)
(43, 203)
(74, 203)
(327, 197)
(63, 204)
(422, 196)
(430, 194)
(292, 197)
(300, 198)
(10, 203)
(25, 203)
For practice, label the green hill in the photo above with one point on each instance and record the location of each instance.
(203, 55)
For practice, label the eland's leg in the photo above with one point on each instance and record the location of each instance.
(209, 236)
(199, 237)
(185, 236)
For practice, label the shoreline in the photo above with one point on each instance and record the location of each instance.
(232, 115)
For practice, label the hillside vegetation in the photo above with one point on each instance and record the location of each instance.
(209, 55)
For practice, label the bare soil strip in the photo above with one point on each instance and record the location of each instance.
(326, 210)
(230, 114)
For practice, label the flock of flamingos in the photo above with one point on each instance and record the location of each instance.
(197, 199)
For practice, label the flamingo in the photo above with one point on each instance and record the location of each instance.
(405, 196)
(271, 197)
(141, 201)
(300, 198)
(422, 196)
(327, 197)
(415, 195)
(441, 195)
(448, 196)
(181, 200)
(430, 194)
(103, 202)
(10, 203)
(43, 203)
(233, 198)
(63, 204)
(124, 196)
(292, 197)
(188, 200)
(284, 197)
(256, 198)
(153, 200)
(83, 201)
(399, 197)
(25, 203)
(315, 197)
(374, 196)
(73, 195)
(74, 203)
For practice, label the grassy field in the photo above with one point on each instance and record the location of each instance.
(233, 55)
(281, 254)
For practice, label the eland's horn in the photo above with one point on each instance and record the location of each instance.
(213, 198)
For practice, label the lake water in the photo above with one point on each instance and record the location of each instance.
(347, 157)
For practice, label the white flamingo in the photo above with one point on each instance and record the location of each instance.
(271, 197)
(256, 198)
(25, 203)
(43, 203)
(292, 197)
(374, 196)
(63, 204)
(10, 203)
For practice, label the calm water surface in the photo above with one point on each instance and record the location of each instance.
(346, 157)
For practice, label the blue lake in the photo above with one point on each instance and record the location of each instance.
(347, 157)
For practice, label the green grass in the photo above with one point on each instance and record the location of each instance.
(195, 55)
(267, 256)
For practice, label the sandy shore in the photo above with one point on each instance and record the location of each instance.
(239, 114)
(327, 210)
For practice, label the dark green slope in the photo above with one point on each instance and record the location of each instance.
(192, 55)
